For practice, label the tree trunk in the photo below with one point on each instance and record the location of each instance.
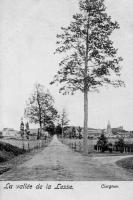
(62, 132)
(85, 133)
(40, 129)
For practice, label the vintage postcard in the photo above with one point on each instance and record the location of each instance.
(66, 99)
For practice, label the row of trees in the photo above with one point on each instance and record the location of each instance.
(105, 145)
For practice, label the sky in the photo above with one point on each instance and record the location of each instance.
(28, 31)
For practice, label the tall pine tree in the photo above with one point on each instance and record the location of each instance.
(89, 57)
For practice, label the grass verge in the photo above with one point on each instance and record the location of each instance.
(126, 163)
(7, 152)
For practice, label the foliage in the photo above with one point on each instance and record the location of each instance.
(110, 147)
(10, 148)
(63, 120)
(79, 129)
(38, 134)
(22, 129)
(102, 142)
(90, 58)
(50, 128)
(58, 130)
(40, 107)
(120, 144)
(73, 135)
(27, 130)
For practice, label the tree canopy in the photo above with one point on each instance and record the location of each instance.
(40, 107)
(87, 39)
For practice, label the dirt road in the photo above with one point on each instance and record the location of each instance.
(58, 162)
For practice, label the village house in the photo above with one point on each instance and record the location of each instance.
(10, 132)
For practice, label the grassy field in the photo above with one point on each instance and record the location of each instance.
(126, 163)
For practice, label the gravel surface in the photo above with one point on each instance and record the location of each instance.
(58, 162)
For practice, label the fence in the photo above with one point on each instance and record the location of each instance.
(29, 145)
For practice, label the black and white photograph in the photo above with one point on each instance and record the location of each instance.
(66, 90)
